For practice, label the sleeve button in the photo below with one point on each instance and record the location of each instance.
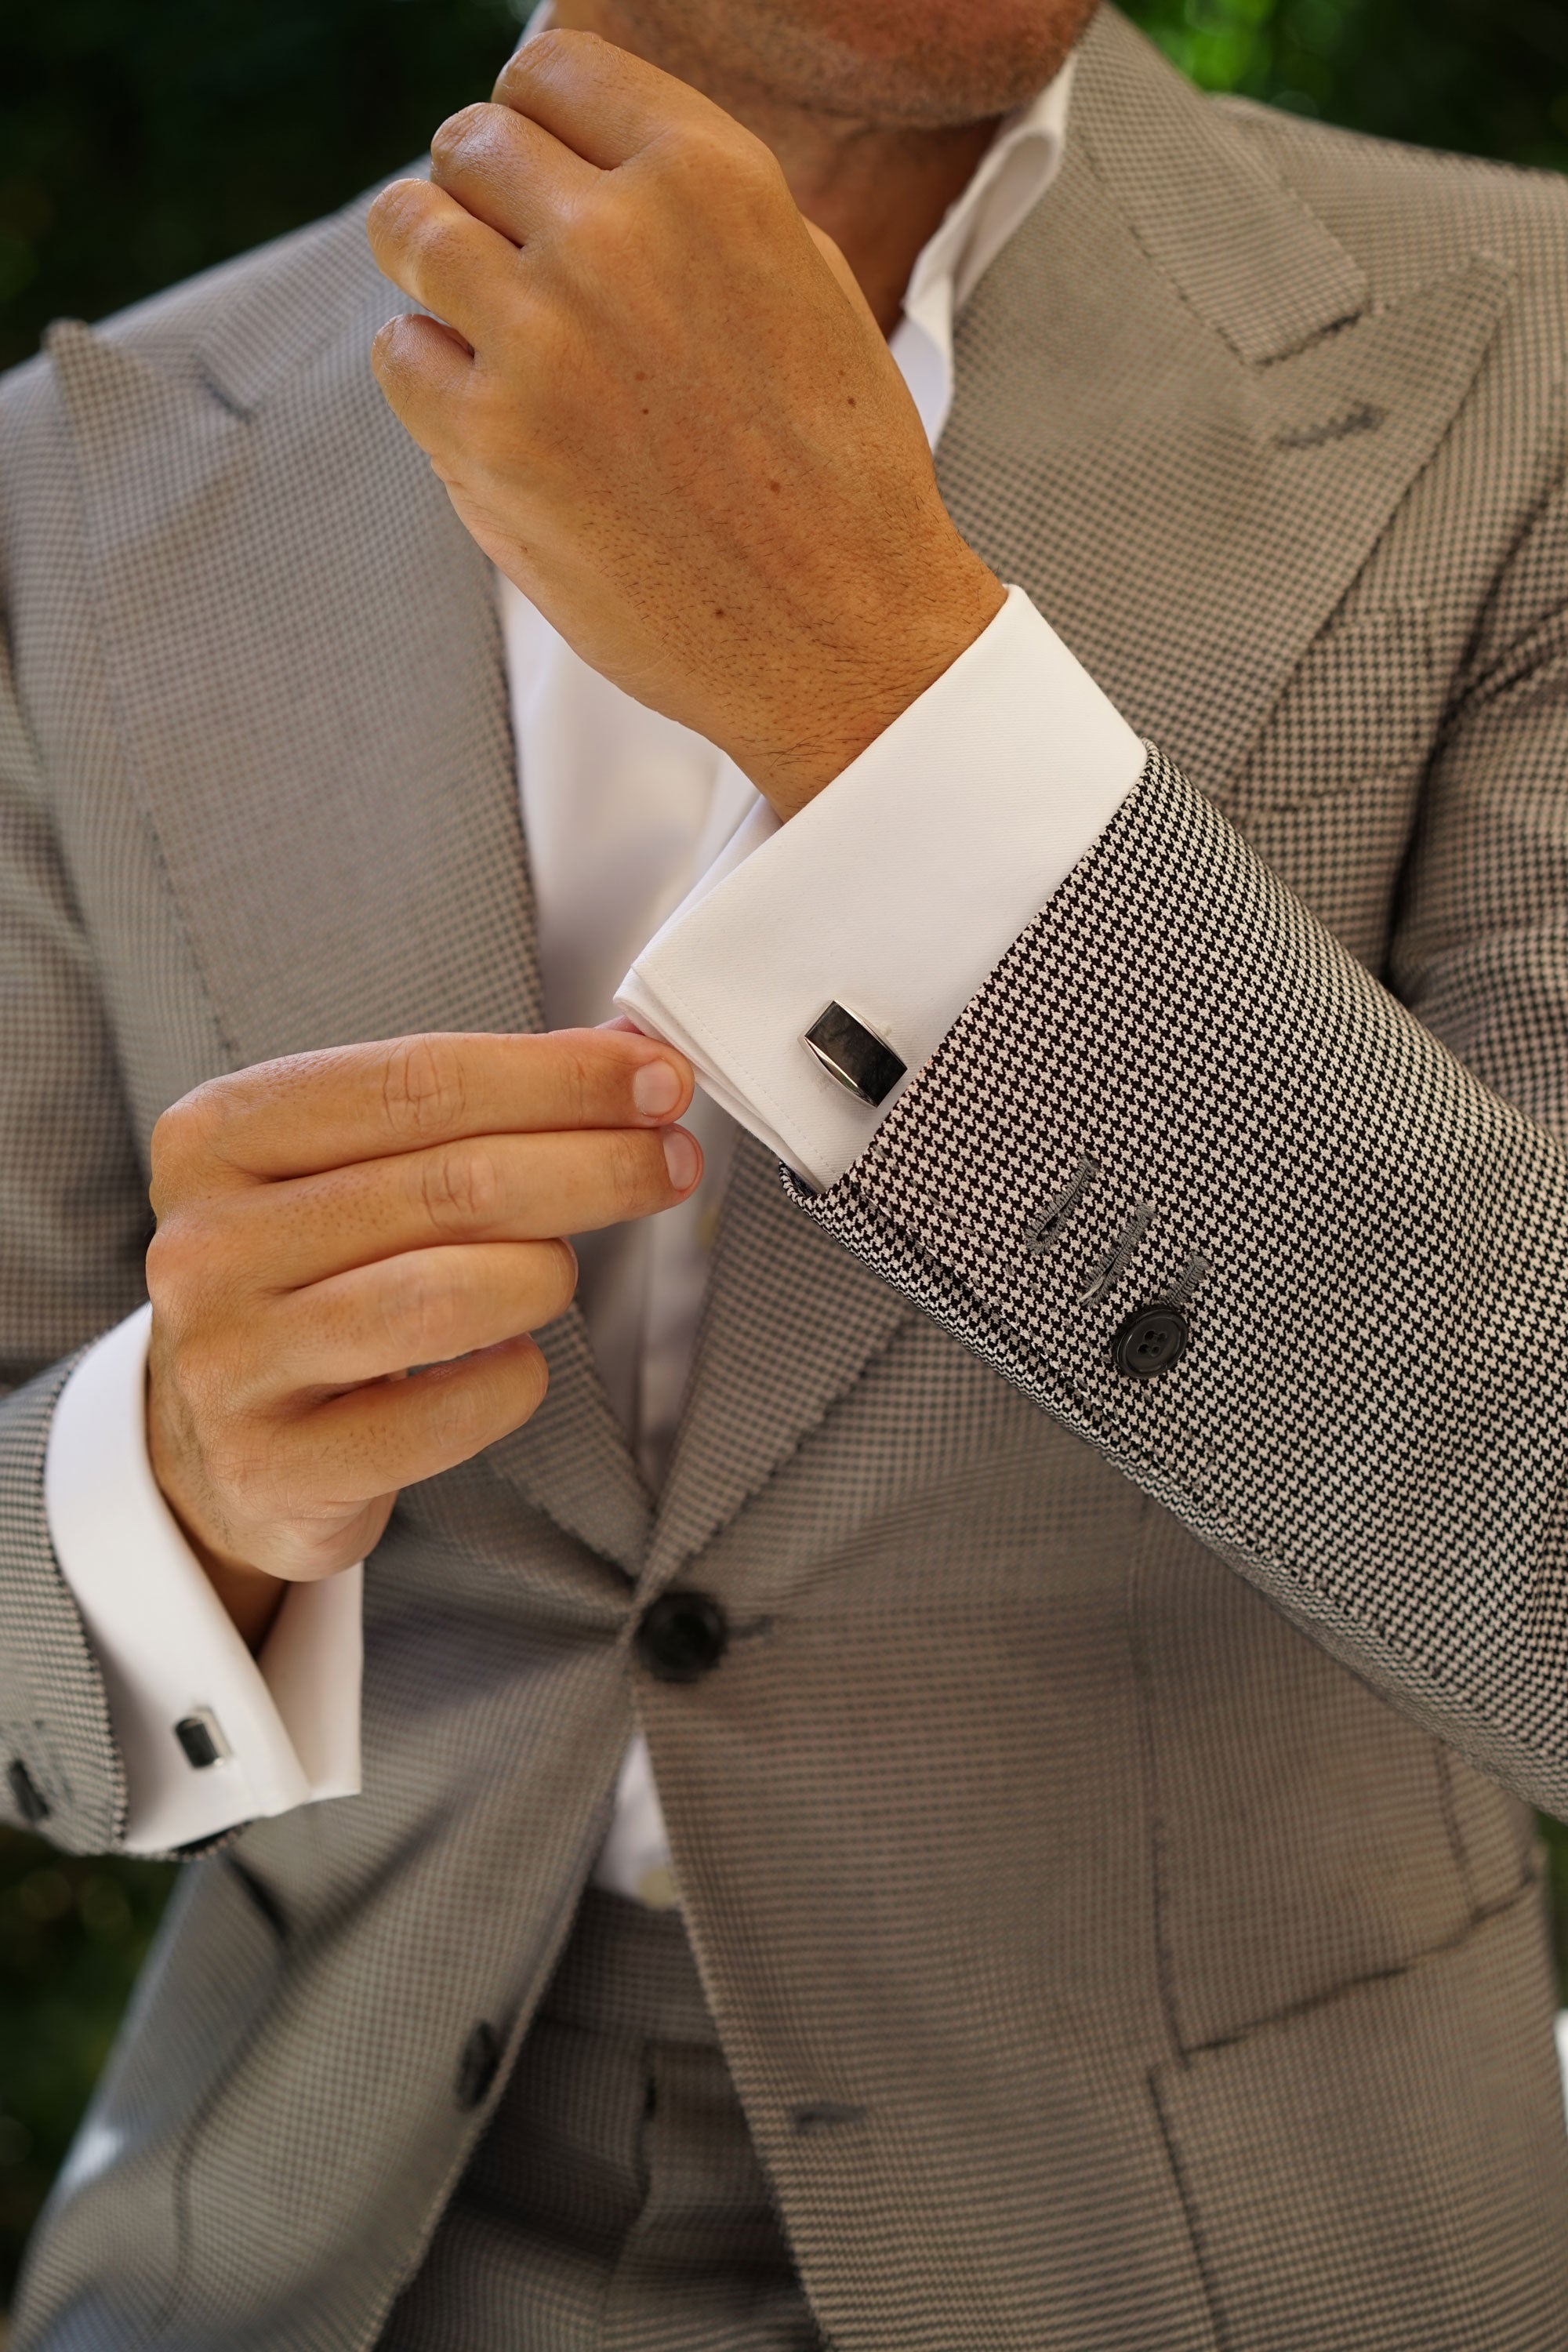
(1150, 1340)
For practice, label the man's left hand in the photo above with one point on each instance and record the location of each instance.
(661, 406)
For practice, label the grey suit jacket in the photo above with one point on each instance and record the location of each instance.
(1103, 1840)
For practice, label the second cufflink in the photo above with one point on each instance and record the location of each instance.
(861, 1060)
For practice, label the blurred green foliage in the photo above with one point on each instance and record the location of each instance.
(1484, 77)
(72, 1935)
(139, 144)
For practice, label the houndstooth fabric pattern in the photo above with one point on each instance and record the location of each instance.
(616, 2203)
(1359, 1386)
(1102, 1847)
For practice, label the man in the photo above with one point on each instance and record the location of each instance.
(1094, 1621)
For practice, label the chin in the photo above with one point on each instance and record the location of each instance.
(922, 62)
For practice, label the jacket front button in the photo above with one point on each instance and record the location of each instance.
(1150, 1341)
(682, 1636)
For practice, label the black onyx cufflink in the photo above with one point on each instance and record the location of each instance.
(201, 1740)
(854, 1054)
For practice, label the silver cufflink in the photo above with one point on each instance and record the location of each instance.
(862, 1062)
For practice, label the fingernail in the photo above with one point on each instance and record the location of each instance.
(680, 1158)
(656, 1089)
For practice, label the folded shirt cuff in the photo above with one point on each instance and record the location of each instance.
(893, 894)
(284, 1724)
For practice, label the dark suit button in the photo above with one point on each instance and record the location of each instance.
(682, 1636)
(479, 2066)
(25, 1794)
(1150, 1341)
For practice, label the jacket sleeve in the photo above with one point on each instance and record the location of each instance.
(73, 1231)
(1177, 1092)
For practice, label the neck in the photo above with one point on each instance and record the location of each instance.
(879, 190)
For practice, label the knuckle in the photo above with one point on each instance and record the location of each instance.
(632, 1188)
(454, 1410)
(494, 1395)
(396, 209)
(457, 132)
(460, 1188)
(183, 1138)
(420, 1310)
(169, 1268)
(201, 1374)
(576, 1082)
(422, 1089)
(199, 1268)
(548, 54)
(435, 240)
(245, 1471)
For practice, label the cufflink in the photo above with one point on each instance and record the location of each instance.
(854, 1054)
(201, 1740)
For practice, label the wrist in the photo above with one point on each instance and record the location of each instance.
(832, 719)
(251, 1597)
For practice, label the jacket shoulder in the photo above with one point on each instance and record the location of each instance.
(246, 323)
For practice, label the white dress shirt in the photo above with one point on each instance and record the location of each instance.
(663, 883)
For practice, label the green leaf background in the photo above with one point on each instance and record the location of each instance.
(139, 144)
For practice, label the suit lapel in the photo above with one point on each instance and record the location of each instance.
(1186, 527)
(336, 804)
(791, 1322)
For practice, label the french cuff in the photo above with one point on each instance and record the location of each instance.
(209, 1735)
(888, 899)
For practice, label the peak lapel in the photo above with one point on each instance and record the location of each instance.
(305, 648)
(1179, 422)
(1239, 245)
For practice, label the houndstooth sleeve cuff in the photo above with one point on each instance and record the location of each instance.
(1179, 1104)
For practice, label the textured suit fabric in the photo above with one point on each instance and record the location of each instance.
(615, 2202)
(1103, 1845)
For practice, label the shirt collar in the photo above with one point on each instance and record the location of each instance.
(1014, 174)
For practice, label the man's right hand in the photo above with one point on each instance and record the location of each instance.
(353, 1247)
